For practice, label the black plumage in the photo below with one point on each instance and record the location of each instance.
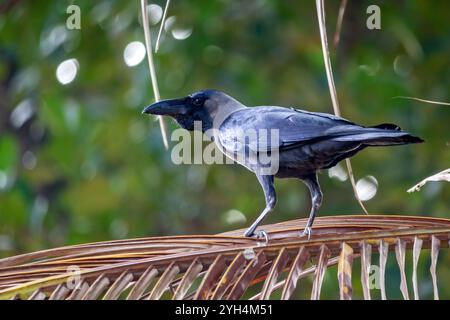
(303, 142)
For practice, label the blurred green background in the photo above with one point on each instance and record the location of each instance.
(80, 163)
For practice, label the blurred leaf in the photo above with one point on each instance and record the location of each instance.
(8, 153)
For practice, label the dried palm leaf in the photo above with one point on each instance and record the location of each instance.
(440, 176)
(227, 265)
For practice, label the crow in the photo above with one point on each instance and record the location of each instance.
(279, 142)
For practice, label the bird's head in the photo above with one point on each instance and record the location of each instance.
(207, 106)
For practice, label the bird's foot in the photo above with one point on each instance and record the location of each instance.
(306, 232)
(260, 234)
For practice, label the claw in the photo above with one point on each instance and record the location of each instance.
(260, 234)
(306, 232)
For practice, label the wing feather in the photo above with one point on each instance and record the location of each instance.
(270, 128)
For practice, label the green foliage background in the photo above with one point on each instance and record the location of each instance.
(87, 166)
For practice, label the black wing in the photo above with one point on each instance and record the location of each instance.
(292, 127)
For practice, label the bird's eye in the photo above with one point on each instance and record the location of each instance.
(197, 102)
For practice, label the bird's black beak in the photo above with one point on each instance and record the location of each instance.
(170, 107)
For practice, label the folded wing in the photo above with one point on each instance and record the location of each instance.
(269, 128)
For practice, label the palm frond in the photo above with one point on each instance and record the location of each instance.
(227, 265)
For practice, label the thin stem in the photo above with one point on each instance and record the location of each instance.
(352, 181)
(331, 85)
(337, 34)
(151, 65)
(423, 100)
(163, 21)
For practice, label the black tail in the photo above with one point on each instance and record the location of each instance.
(393, 136)
(387, 126)
(385, 134)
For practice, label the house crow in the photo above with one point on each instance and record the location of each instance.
(276, 141)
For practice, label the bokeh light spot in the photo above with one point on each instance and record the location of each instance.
(22, 113)
(3, 180)
(178, 32)
(155, 13)
(29, 160)
(181, 34)
(338, 173)
(234, 216)
(367, 188)
(134, 53)
(67, 71)
(52, 39)
(249, 254)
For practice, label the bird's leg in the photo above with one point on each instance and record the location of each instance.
(316, 201)
(251, 230)
(266, 182)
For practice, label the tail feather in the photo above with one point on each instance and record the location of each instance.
(389, 141)
(387, 126)
(381, 135)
